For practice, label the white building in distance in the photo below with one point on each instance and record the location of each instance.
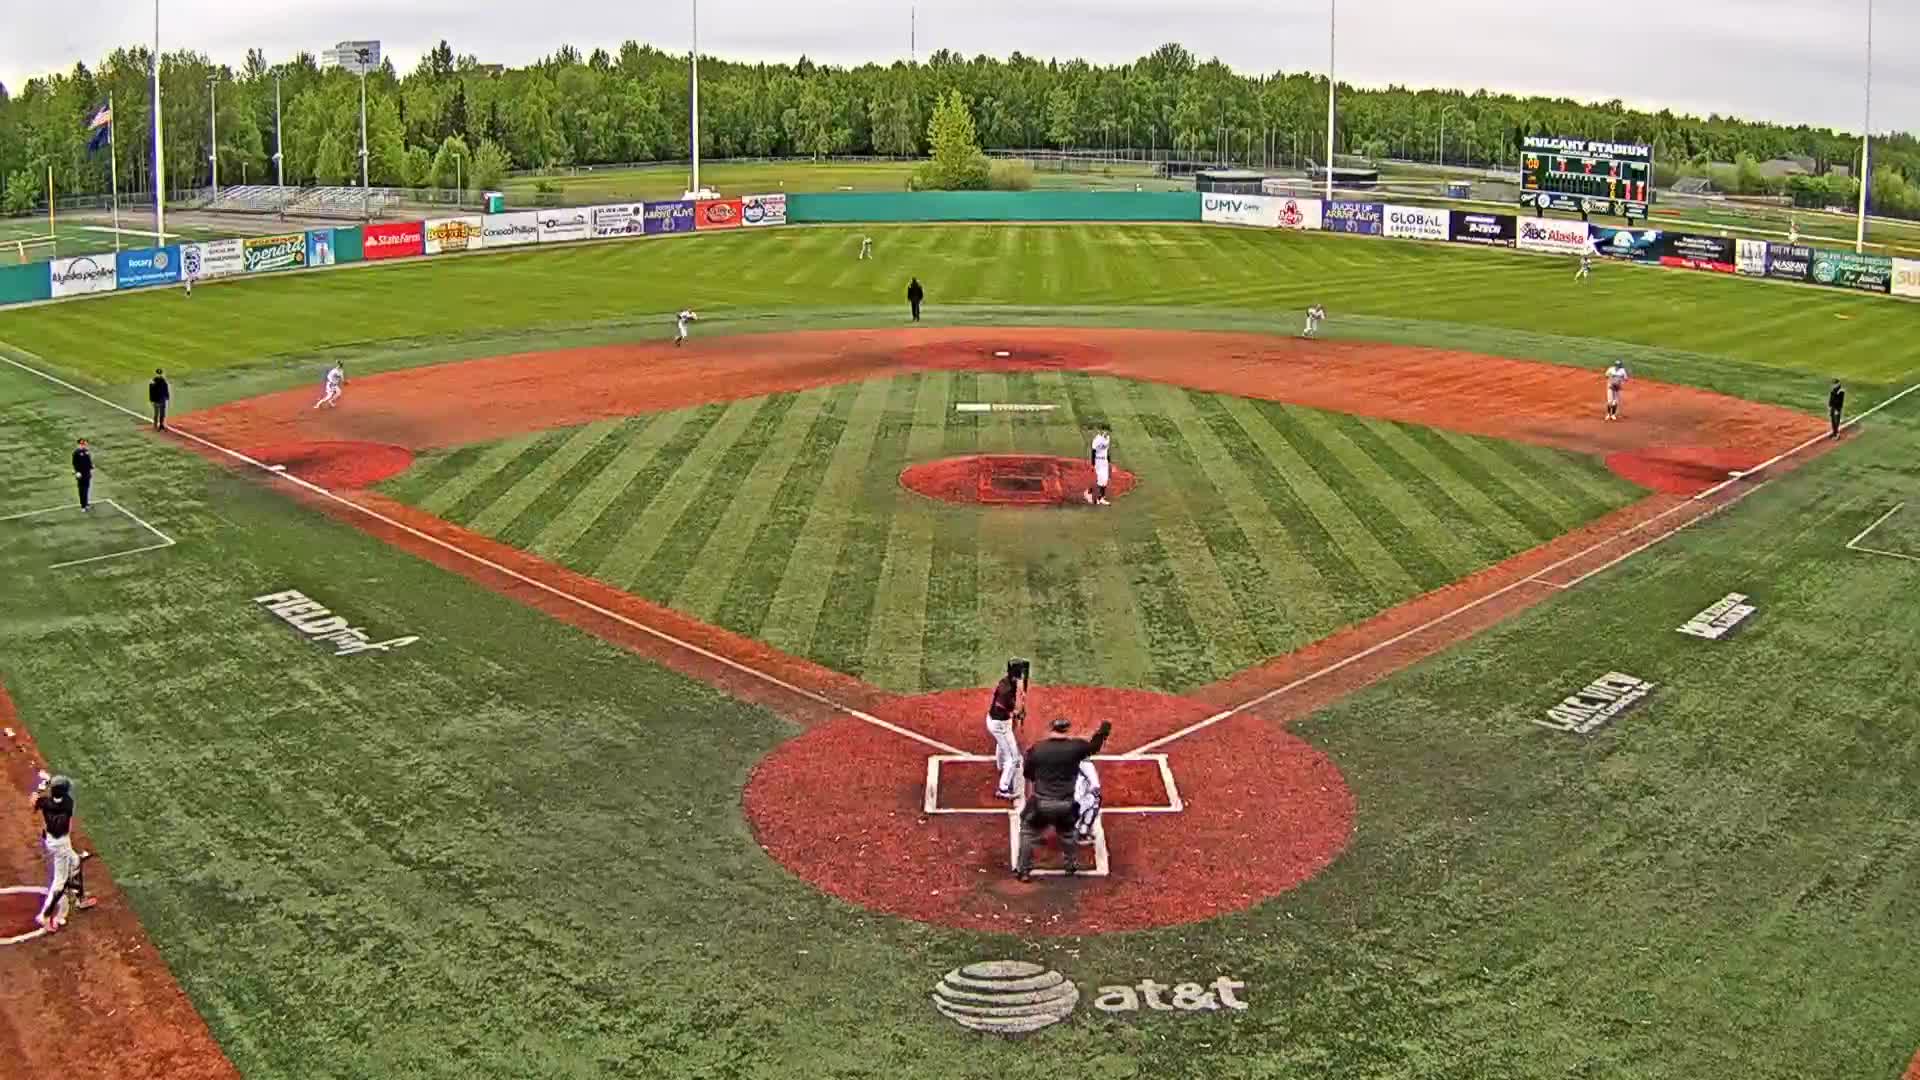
(346, 55)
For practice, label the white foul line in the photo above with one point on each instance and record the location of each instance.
(1854, 544)
(1688, 524)
(1777, 458)
(661, 635)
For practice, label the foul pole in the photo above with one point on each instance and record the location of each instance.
(696, 96)
(1866, 146)
(1331, 5)
(159, 157)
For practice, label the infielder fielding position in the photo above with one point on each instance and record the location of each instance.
(330, 393)
(1004, 714)
(1616, 378)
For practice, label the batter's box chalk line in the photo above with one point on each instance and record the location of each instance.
(37, 931)
(1858, 542)
(1102, 867)
(165, 541)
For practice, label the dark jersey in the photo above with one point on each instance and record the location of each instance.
(1005, 696)
(83, 462)
(158, 390)
(1836, 399)
(58, 812)
(1052, 764)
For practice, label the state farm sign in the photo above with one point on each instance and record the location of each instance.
(1552, 235)
(393, 241)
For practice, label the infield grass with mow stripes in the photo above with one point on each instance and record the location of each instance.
(1258, 527)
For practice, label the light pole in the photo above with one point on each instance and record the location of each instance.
(1331, 6)
(159, 157)
(279, 168)
(458, 187)
(364, 204)
(1866, 145)
(695, 141)
(213, 131)
(1440, 157)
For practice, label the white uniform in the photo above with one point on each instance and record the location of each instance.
(1006, 756)
(1102, 468)
(1086, 797)
(1616, 378)
(1315, 316)
(1586, 266)
(681, 322)
(331, 394)
(866, 247)
(62, 864)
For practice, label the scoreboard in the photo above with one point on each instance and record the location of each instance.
(1586, 177)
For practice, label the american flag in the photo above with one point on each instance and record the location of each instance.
(102, 127)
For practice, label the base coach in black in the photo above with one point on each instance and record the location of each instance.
(159, 393)
(1836, 404)
(915, 295)
(1052, 764)
(83, 474)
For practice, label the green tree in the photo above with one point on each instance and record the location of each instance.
(331, 163)
(1060, 116)
(446, 173)
(957, 163)
(490, 165)
(22, 188)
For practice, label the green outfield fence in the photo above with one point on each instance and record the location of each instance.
(85, 275)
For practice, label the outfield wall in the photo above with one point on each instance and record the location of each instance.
(172, 264)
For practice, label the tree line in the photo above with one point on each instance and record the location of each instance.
(453, 114)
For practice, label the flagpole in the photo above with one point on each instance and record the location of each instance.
(159, 157)
(113, 168)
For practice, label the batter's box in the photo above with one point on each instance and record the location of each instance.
(1133, 784)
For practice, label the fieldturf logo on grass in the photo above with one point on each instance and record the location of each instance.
(1013, 997)
(1598, 702)
(323, 626)
(1719, 620)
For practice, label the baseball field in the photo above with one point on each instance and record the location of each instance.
(667, 759)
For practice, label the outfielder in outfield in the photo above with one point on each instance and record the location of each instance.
(1315, 316)
(1616, 379)
(1004, 714)
(680, 327)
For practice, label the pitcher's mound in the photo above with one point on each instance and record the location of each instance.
(1011, 480)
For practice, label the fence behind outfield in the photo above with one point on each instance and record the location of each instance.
(309, 249)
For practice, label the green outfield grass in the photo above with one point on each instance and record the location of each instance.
(512, 850)
(1684, 327)
(1261, 527)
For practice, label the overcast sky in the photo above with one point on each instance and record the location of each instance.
(1794, 61)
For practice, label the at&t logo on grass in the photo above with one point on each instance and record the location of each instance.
(1014, 997)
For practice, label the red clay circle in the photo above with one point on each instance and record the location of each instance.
(1681, 470)
(1023, 352)
(1011, 480)
(842, 807)
(346, 465)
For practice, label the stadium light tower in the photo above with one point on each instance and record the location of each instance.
(1331, 6)
(362, 54)
(1866, 144)
(694, 142)
(213, 131)
(279, 158)
(159, 158)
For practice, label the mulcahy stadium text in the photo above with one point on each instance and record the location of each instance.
(1719, 620)
(1596, 703)
(323, 626)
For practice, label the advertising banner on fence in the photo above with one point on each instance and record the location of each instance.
(1906, 278)
(1639, 245)
(147, 266)
(557, 225)
(395, 240)
(320, 247)
(669, 217)
(1790, 262)
(264, 253)
(622, 219)
(1495, 230)
(1551, 235)
(444, 236)
(1750, 257)
(510, 230)
(215, 259)
(1300, 213)
(1357, 218)
(346, 245)
(718, 214)
(1254, 210)
(1415, 223)
(83, 275)
(1690, 252)
(1845, 270)
(759, 210)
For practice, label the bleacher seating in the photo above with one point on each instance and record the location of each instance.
(252, 199)
(322, 202)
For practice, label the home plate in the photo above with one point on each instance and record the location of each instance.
(1735, 474)
(276, 468)
(1002, 353)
